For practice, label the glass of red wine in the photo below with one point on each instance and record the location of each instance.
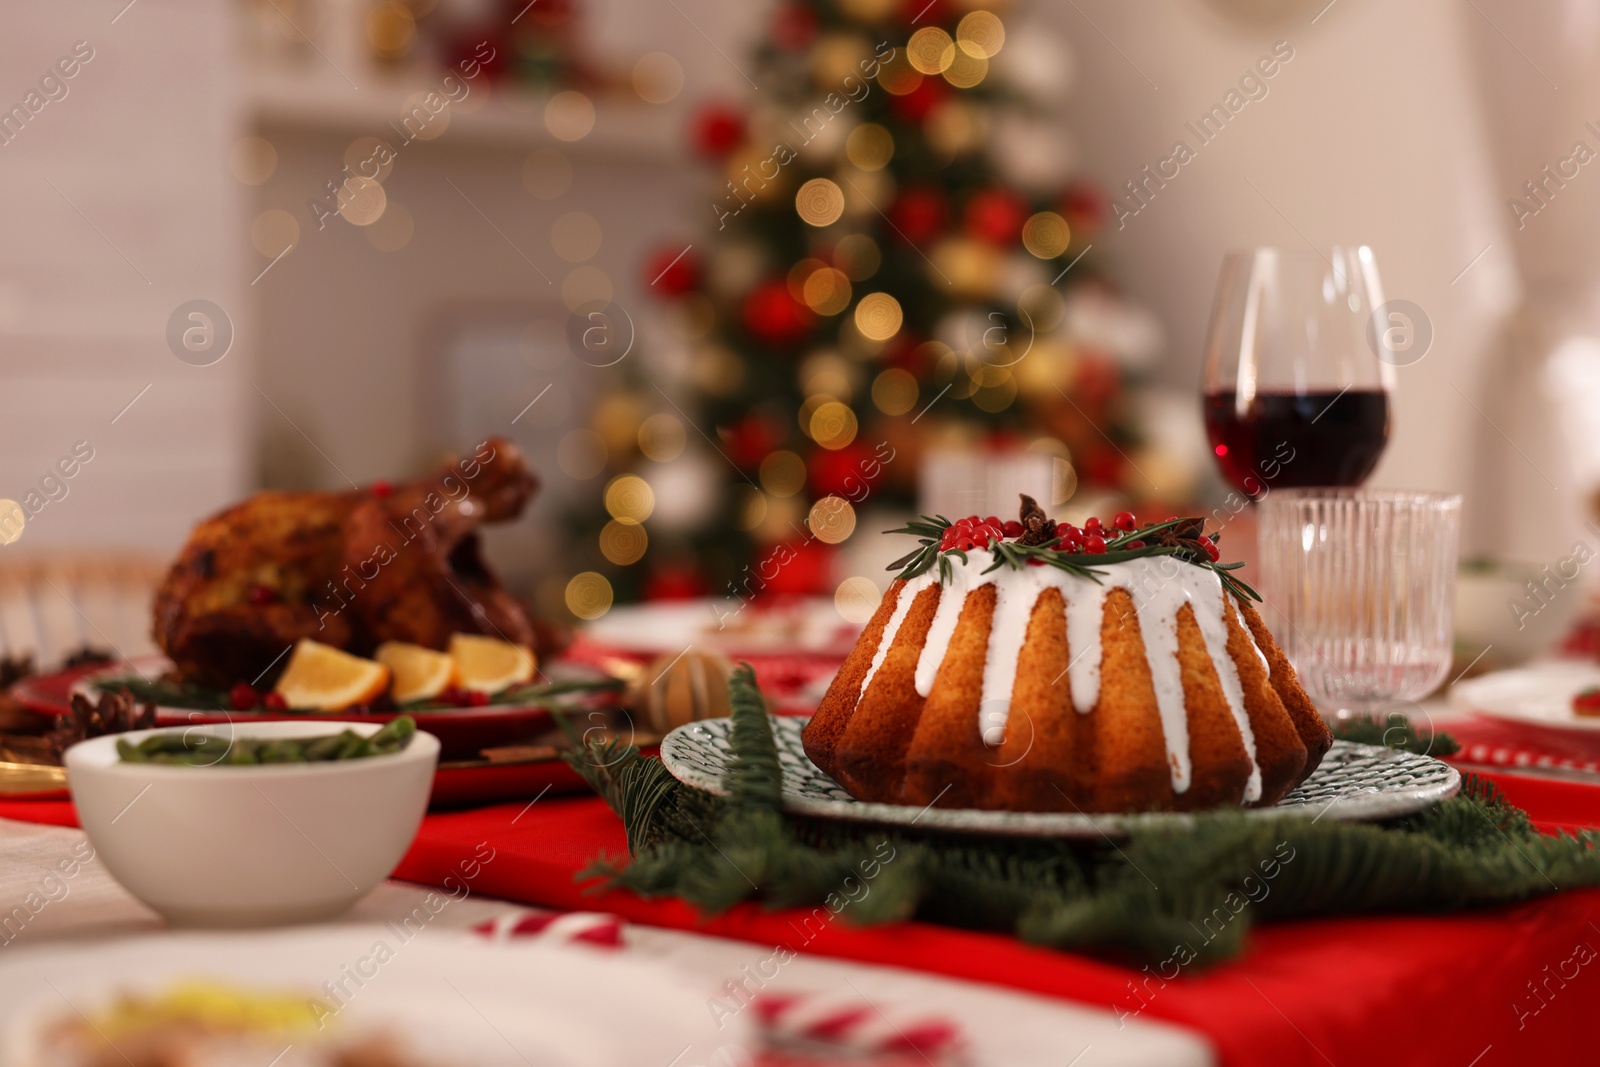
(1295, 393)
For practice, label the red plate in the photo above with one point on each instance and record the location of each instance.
(463, 732)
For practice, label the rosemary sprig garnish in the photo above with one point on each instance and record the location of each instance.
(1180, 538)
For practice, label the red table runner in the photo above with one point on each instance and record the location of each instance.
(1511, 984)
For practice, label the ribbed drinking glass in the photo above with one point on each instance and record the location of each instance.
(1360, 588)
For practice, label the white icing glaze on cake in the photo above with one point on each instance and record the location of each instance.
(1159, 587)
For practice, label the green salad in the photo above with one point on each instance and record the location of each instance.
(194, 748)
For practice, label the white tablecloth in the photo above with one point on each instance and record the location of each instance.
(1003, 1026)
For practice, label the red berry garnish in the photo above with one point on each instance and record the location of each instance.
(992, 520)
(477, 699)
(1124, 520)
(382, 489)
(1091, 524)
(964, 544)
(1134, 544)
(1012, 528)
(1211, 550)
(243, 696)
(274, 702)
(453, 695)
(1094, 543)
(263, 594)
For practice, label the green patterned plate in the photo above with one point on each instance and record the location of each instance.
(1354, 782)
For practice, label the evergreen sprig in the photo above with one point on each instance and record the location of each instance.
(1179, 538)
(1195, 890)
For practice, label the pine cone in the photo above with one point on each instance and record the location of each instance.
(112, 713)
(1037, 527)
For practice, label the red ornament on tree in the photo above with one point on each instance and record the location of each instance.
(773, 315)
(918, 213)
(717, 130)
(750, 440)
(674, 581)
(671, 271)
(794, 26)
(920, 102)
(995, 215)
(803, 570)
(842, 472)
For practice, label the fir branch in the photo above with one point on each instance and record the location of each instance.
(755, 779)
(1395, 732)
(1200, 887)
(1179, 537)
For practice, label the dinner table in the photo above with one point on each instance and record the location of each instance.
(1482, 986)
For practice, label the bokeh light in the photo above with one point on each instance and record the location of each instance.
(827, 291)
(1046, 235)
(362, 201)
(856, 599)
(657, 77)
(895, 391)
(391, 30)
(878, 316)
(569, 116)
(661, 437)
(819, 202)
(783, 473)
(831, 520)
(832, 425)
(869, 147)
(629, 498)
(589, 595)
(966, 70)
(980, 34)
(623, 542)
(898, 76)
(931, 50)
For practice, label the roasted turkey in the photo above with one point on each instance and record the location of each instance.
(350, 569)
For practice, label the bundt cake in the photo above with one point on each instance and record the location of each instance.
(1031, 667)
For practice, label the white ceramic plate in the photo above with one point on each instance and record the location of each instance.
(454, 998)
(1354, 782)
(1540, 695)
(802, 626)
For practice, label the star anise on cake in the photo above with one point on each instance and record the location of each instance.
(113, 712)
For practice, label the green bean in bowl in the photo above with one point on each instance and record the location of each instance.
(195, 748)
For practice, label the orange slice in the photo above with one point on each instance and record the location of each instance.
(419, 673)
(488, 665)
(321, 678)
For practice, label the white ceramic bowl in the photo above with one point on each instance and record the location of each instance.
(1487, 616)
(251, 845)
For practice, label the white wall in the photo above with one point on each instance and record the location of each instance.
(118, 207)
(1369, 134)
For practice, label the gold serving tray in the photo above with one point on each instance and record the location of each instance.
(20, 779)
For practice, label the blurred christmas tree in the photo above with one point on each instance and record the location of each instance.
(892, 265)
